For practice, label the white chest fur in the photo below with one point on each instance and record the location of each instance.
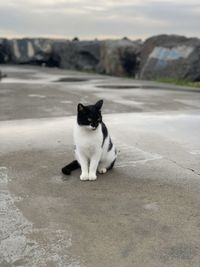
(87, 141)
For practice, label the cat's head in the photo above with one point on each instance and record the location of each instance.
(89, 116)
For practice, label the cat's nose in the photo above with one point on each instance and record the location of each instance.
(94, 125)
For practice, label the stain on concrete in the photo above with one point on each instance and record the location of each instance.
(179, 252)
(37, 96)
(129, 155)
(154, 207)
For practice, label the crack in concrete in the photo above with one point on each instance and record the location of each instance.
(185, 168)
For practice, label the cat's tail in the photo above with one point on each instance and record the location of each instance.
(70, 167)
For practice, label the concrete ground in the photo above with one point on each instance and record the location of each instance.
(143, 213)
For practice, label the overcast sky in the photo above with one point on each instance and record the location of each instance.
(89, 19)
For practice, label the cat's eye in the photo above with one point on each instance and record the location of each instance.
(89, 119)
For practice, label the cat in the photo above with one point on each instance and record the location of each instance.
(94, 150)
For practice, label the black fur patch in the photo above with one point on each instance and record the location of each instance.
(110, 145)
(70, 167)
(105, 132)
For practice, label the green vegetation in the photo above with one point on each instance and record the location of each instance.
(180, 82)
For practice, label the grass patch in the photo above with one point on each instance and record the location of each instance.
(180, 82)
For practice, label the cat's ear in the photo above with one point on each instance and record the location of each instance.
(99, 104)
(80, 107)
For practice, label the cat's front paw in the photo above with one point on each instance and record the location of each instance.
(92, 176)
(84, 177)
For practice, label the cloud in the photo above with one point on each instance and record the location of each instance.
(105, 18)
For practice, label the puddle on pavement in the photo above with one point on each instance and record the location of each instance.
(119, 86)
(72, 79)
(146, 87)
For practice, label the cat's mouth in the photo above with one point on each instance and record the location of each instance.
(93, 128)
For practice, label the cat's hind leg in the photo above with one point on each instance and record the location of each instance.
(102, 168)
(111, 165)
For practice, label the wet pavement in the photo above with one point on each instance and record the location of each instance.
(143, 213)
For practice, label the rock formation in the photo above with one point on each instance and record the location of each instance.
(84, 55)
(163, 56)
(120, 57)
(170, 56)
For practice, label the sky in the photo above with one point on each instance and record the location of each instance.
(101, 19)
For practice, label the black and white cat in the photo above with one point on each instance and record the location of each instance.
(94, 150)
